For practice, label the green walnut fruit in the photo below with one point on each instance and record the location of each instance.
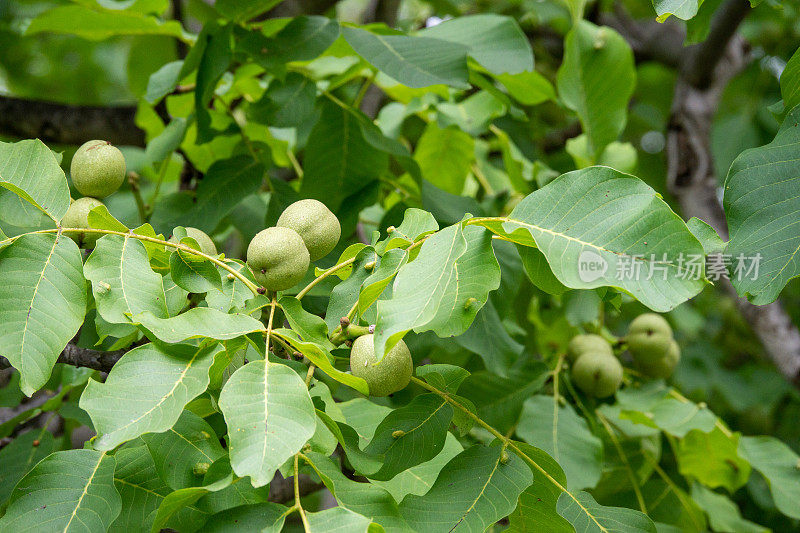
(315, 223)
(77, 216)
(664, 366)
(278, 258)
(648, 337)
(391, 374)
(207, 246)
(597, 374)
(97, 169)
(580, 344)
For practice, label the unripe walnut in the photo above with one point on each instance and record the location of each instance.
(77, 216)
(580, 344)
(278, 258)
(664, 366)
(648, 337)
(207, 245)
(315, 223)
(597, 374)
(97, 169)
(391, 374)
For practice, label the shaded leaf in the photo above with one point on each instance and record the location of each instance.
(269, 416)
(30, 170)
(42, 304)
(87, 500)
(121, 409)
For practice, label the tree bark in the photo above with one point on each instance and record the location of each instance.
(83, 357)
(707, 69)
(68, 124)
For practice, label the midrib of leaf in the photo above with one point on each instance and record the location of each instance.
(154, 493)
(33, 299)
(439, 280)
(483, 489)
(570, 238)
(266, 407)
(163, 398)
(85, 489)
(401, 58)
(192, 444)
(415, 428)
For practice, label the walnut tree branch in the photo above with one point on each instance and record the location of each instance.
(82, 357)
(707, 69)
(68, 124)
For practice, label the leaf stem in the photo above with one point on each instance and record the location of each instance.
(133, 181)
(130, 234)
(324, 275)
(363, 91)
(297, 503)
(269, 322)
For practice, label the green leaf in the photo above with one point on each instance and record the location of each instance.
(215, 59)
(346, 293)
(121, 409)
(363, 498)
(683, 9)
(175, 452)
(708, 236)
(488, 338)
(596, 80)
(712, 459)
(536, 508)
(87, 500)
(601, 218)
(226, 183)
(304, 38)
(123, 283)
(98, 25)
(287, 103)
(310, 327)
(42, 304)
(20, 455)
(723, 514)
(269, 416)
(528, 88)
(474, 490)
(420, 478)
(790, 81)
(143, 491)
(338, 159)
(322, 358)
(586, 515)
(779, 466)
(193, 273)
(559, 431)
(413, 61)
(447, 378)
(494, 41)
(671, 416)
(445, 157)
(244, 10)
(423, 424)
(380, 278)
(169, 140)
(499, 399)
(30, 170)
(198, 322)
(234, 292)
(338, 519)
(442, 289)
(760, 203)
(247, 518)
(163, 81)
